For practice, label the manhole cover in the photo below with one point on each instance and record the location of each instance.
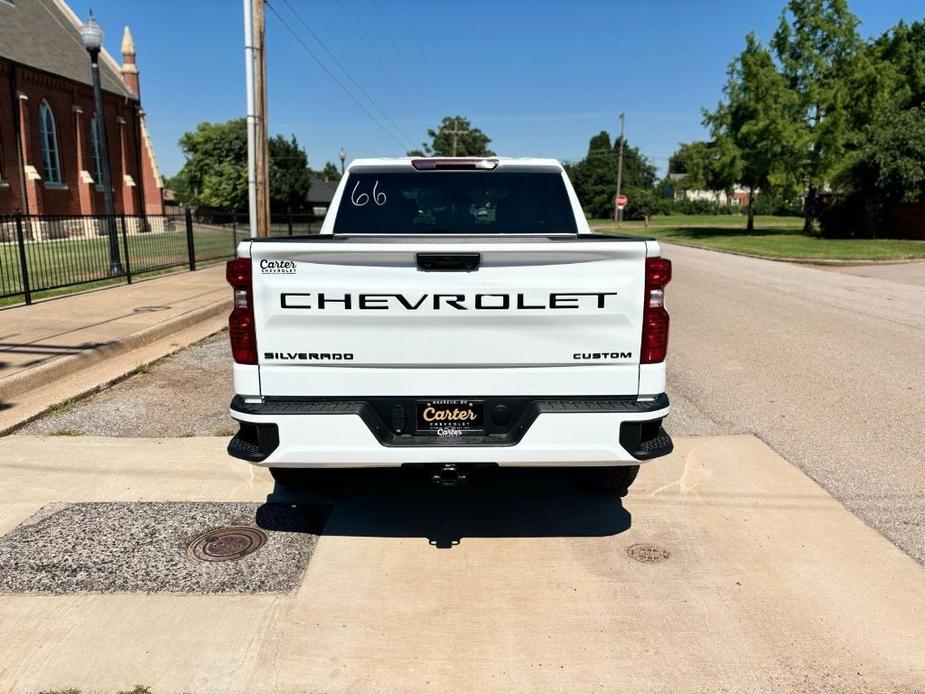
(648, 554)
(225, 544)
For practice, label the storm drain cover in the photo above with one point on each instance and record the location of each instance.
(648, 554)
(227, 544)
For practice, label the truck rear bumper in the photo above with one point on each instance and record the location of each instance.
(548, 432)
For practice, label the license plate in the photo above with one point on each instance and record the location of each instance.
(450, 417)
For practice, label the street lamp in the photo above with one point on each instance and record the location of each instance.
(91, 34)
(343, 155)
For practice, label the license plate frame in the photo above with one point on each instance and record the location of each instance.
(449, 417)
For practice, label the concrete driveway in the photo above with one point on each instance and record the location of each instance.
(520, 582)
(826, 367)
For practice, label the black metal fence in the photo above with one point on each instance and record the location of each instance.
(39, 253)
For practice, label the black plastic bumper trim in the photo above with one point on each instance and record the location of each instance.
(645, 440)
(254, 442)
(388, 418)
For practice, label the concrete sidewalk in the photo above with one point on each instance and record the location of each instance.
(770, 585)
(48, 342)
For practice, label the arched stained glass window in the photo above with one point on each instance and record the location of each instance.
(49, 136)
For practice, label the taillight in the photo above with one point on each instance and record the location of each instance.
(241, 330)
(654, 316)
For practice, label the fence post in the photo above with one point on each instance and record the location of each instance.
(128, 262)
(190, 243)
(23, 266)
(234, 234)
(289, 219)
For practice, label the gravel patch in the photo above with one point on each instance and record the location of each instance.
(142, 547)
(186, 394)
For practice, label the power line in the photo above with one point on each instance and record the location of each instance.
(357, 22)
(399, 53)
(344, 70)
(334, 77)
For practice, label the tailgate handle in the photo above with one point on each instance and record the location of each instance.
(449, 262)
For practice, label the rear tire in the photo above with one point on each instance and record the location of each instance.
(614, 479)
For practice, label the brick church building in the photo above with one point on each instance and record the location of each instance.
(49, 155)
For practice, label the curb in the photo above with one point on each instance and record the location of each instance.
(797, 261)
(65, 366)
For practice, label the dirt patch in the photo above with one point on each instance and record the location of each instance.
(186, 394)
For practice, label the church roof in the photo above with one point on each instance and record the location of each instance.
(44, 34)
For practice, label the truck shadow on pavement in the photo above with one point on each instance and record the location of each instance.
(494, 503)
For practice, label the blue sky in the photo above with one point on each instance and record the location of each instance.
(538, 77)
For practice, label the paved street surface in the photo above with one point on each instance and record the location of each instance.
(826, 367)
(522, 583)
(903, 273)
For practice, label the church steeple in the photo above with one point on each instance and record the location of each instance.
(129, 69)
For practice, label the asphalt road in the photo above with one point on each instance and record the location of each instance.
(826, 367)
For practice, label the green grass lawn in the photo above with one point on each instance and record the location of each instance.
(60, 262)
(773, 237)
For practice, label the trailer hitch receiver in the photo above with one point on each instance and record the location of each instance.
(449, 475)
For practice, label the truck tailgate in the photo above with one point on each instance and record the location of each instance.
(332, 314)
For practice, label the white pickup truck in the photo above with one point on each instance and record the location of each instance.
(451, 313)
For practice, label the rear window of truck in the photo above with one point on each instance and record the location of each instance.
(455, 202)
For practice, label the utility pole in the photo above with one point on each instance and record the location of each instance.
(249, 69)
(260, 104)
(456, 132)
(618, 213)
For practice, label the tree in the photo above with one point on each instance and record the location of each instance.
(330, 172)
(707, 165)
(817, 47)
(902, 51)
(290, 177)
(753, 126)
(470, 142)
(693, 160)
(595, 178)
(887, 166)
(215, 171)
(638, 171)
(892, 161)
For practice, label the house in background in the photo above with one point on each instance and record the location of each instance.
(320, 195)
(737, 196)
(49, 155)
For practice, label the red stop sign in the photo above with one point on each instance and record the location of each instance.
(621, 202)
